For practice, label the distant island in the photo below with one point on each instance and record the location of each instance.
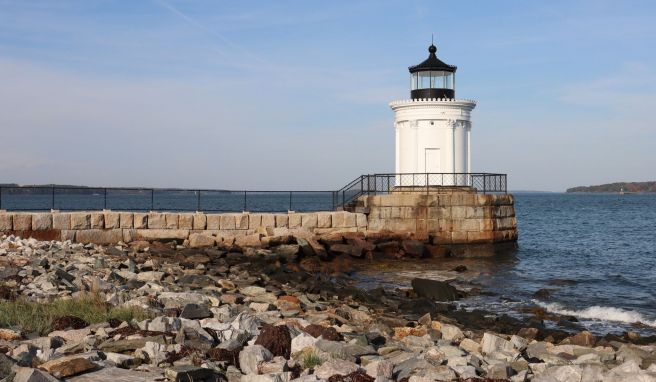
(617, 187)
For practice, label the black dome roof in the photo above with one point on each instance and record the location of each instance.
(432, 63)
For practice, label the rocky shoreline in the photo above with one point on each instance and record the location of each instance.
(283, 310)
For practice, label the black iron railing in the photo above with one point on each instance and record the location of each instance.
(41, 198)
(420, 182)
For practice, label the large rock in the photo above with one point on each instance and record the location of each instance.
(564, 373)
(67, 366)
(5, 366)
(199, 240)
(115, 374)
(251, 357)
(451, 333)
(26, 374)
(433, 289)
(276, 339)
(492, 343)
(301, 342)
(333, 367)
(99, 236)
(191, 373)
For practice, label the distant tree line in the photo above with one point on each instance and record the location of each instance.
(617, 187)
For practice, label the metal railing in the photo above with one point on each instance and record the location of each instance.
(421, 182)
(65, 198)
(42, 198)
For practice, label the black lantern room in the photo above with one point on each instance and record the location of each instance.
(432, 78)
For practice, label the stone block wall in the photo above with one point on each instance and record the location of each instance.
(461, 217)
(109, 227)
(445, 218)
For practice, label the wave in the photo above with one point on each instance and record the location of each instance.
(603, 313)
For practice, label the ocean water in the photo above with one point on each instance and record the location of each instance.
(595, 253)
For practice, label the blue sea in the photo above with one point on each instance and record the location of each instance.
(594, 253)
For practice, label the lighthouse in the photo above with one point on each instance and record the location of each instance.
(433, 127)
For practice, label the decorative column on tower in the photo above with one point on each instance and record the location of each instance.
(433, 128)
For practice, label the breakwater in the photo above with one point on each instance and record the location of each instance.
(463, 218)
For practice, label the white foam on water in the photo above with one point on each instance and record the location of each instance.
(603, 313)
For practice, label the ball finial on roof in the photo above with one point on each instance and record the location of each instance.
(432, 49)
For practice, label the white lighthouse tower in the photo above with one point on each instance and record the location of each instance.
(433, 128)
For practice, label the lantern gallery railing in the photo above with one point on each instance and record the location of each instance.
(421, 182)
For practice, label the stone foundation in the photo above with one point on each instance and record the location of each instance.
(462, 217)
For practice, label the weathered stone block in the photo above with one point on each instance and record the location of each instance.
(129, 234)
(338, 219)
(458, 212)
(171, 220)
(397, 212)
(241, 221)
(140, 220)
(156, 220)
(442, 237)
(282, 220)
(268, 221)
(200, 221)
(228, 221)
(324, 219)
(214, 221)
(480, 236)
(97, 220)
(252, 240)
(198, 240)
(112, 220)
(505, 211)
(361, 220)
(349, 220)
(6, 221)
(458, 237)
(309, 220)
(438, 212)
(162, 234)
(471, 225)
(254, 221)
(41, 221)
(505, 223)
(186, 221)
(80, 220)
(487, 224)
(127, 220)
(68, 234)
(99, 236)
(295, 220)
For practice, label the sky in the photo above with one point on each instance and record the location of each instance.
(294, 95)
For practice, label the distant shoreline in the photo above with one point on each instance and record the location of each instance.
(618, 187)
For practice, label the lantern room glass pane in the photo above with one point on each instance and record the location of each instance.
(432, 79)
(424, 80)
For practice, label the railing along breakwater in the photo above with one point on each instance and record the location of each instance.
(77, 198)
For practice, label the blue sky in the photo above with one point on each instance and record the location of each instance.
(294, 95)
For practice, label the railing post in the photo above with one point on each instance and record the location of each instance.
(198, 201)
(245, 202)
(426, 183)
(484, 184)
(105, 201)
(152, 199)
(290, 201)
(53, 198)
